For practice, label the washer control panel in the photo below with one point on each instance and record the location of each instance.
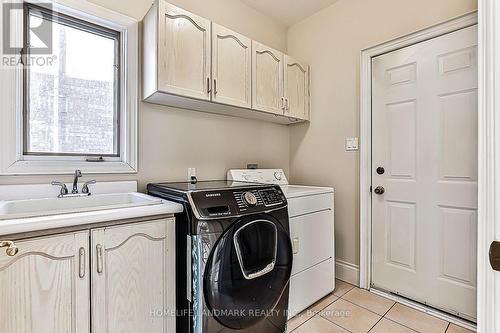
(232, 202)
(272, 197)
(250, 199)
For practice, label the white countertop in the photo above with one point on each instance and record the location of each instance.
(15, 226)
(72, 219)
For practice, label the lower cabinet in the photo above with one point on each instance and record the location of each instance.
(44, 288)
(113, 279)
(133, 280)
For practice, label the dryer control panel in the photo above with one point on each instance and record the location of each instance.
(263, 176)
(224, 203)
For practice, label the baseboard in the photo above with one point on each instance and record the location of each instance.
(347, 272)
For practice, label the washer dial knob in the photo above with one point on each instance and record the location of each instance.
(250, 198)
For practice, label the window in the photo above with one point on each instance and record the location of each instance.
(74, 104)
(71, 104)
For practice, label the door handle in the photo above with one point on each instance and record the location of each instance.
(379, 190)
(495, 256)
(295, 245)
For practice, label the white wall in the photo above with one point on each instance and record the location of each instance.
(171, 140)
(331, 41)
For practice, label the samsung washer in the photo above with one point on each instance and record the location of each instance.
(234, 256)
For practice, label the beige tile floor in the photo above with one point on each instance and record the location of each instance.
(353, 310)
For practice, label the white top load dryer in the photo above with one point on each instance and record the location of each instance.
(311, 212)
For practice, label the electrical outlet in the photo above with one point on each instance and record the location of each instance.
(191, 172)
(351, 144)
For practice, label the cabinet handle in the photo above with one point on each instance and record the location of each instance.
(81, 258)
(11, 250)
(287, 104)
(99, 258)
(283, 103)
(215, 87)
(208, 86)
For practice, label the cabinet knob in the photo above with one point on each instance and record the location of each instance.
(11, 250)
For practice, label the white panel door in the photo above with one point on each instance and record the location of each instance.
(183, 53)
(425, 137)
(133, 281)
(296, 88)
(231, 67)
(44, 288)
(267, 80)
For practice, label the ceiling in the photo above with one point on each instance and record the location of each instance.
(288, 12)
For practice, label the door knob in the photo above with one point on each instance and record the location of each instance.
(495, 256)
(379, 190)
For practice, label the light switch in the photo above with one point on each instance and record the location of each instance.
(351, 144)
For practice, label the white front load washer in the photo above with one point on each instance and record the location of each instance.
(311, 212)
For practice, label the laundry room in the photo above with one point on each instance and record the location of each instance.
(249, 166)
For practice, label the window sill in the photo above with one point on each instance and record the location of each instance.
(67, 167)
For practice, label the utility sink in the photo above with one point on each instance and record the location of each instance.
(17, 209)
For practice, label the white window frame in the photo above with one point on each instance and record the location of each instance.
(12, 158)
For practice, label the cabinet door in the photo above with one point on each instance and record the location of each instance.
(183, 52)
(267, 86)
(296, 89)
(133, 281)
(44, 288)
(231, 67)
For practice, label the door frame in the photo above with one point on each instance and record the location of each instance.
(454, 24)
(488, 286)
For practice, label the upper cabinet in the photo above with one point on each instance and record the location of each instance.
(267, 68)
(192, 63)
(231, 67)
(183, 52)
(296, 89)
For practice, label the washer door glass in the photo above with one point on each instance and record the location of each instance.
(248, 271)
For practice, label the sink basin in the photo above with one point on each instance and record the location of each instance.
(56, 206)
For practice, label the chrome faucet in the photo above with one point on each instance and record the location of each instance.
(78, 174)
(64, 189)
(74, 193)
